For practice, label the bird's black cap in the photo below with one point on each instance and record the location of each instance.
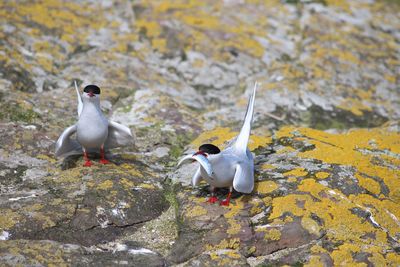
(209, 149)
(92, 88)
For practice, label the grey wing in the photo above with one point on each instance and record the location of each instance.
(196, 177)
(243, 180)
(66, 146)
(80, 104)
(118, 135)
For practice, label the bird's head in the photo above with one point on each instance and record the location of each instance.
(91, 93)
(201, 156)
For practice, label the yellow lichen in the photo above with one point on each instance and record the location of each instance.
(251, 250)
(37, 18)
(234, 209)
(348, 149)
(369, 184)
(310, 225)
(272, 234)
(196, 211)
(131, 170)
(127, 184)
(288, 219)
(257, 206)
(267, 201)
(298, 172)
(8, 219)
(314, 261)
(390, 78)
(355, 106)
(231, 243)
(220, 136)
(70, 176)
(56, 201)
(322, 175)
(342, 256)
(106, 185)
(45, 157)
(265, 187)
(34, 207)
(393, 259)
(234, 227)
(339, 222)
(334, 209)
(45, 219)
(286, 149)
(267, 166)
(318, 249)
(147, 186)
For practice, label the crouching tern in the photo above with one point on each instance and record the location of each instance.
(93, 130)
(232, 167)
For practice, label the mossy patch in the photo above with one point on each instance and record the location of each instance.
(15, 112)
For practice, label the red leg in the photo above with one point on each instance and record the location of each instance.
(226, 201)
(213, 198)
(103, 160)
(88, 163)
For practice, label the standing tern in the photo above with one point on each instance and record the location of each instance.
(232, 167)
(93, 130)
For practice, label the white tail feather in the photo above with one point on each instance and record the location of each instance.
(244, 135)
(80, 104)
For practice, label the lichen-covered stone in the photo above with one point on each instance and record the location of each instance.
(325, 134)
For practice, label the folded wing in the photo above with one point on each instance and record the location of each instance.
(118, 135)
(66, 146)
(243, 180)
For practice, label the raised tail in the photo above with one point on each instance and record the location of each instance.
(244, 135)
(80, 104)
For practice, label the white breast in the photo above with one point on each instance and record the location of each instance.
(92, 127)
(223, 166)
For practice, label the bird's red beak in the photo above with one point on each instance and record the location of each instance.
(91, 94)
(199, 153)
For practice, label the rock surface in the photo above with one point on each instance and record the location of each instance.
(326, 135)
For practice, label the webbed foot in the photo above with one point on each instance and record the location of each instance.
(88, 163)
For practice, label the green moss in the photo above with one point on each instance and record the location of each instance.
(393, 2)
(170, 196)
(176, 151)
(178, 143)
(332, 124)
(296, 2)
(14, 112)
(126, 109)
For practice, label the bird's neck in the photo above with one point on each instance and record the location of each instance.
(91, 104)
(92, 108)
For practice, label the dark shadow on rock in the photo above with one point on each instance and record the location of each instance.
(318, 118)
(45, 252)
(188, 245)
(20, 78)
(69, 162)
(95, 223)
(220, 193)
(72, 161)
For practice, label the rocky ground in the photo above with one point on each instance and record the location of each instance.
(326, 135)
